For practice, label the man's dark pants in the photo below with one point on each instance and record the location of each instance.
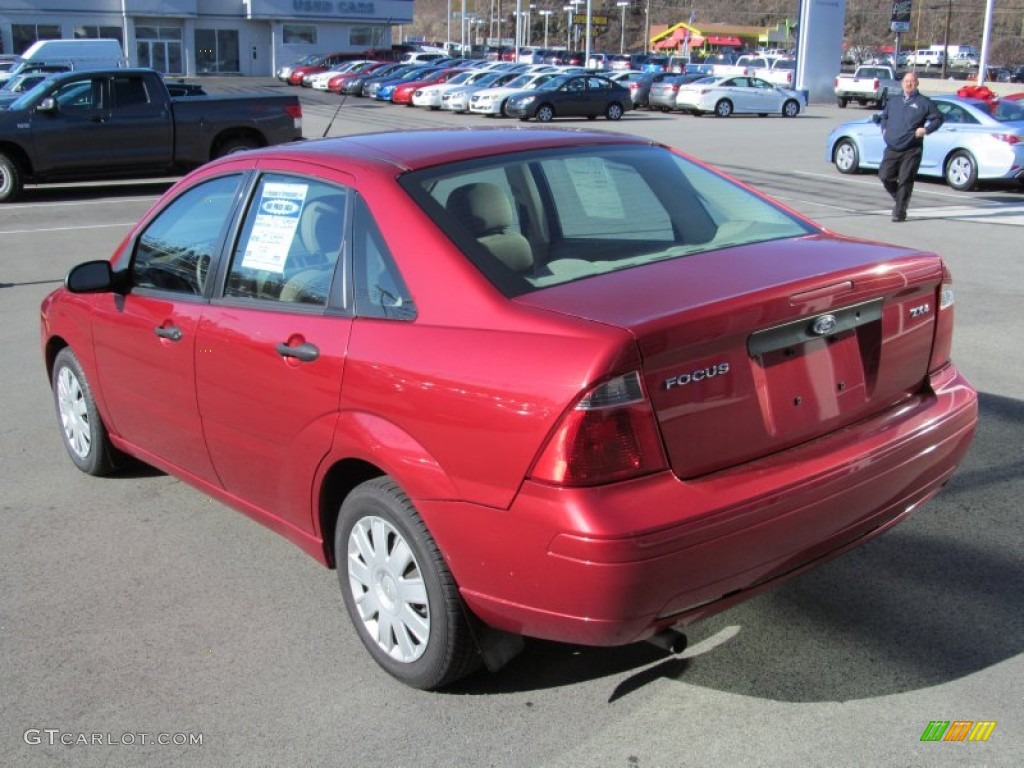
(897, 172)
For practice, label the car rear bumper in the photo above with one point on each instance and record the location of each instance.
(612, 565)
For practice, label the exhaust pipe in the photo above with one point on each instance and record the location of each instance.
(671, 640)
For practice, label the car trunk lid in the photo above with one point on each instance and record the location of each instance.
(750, 350)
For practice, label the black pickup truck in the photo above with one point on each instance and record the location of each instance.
(125, 123)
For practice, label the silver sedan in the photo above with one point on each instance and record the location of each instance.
(978, 141)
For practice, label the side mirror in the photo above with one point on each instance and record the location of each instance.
(91, 277)
(49, 104)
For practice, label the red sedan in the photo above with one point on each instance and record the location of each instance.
(335, 84)
(403, 93)
(562, 384)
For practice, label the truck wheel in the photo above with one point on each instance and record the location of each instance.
(962, 171)
(842, 102)
(846, 157)
(238, 144)
(10, 179)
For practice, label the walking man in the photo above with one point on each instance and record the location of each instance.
(905, 122)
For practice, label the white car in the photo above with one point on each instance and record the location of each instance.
(320, 80)
(491, 101)
(738, 94)
(431, 95)
(457, 99)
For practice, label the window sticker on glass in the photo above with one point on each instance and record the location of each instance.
(595, 187)
(276, 222)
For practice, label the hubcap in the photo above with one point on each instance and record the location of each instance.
(959, 171)
(74, 416)
(388, 589)
(845, 156)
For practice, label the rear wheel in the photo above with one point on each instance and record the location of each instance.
(237, 144)
(846, 156)
(723, 108)
(398, 591)
(10, 179)
(962, 171)
(842, 102)
(82, 430)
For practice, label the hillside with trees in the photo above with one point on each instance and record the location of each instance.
(867, 21)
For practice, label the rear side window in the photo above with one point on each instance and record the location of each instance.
(290, 243)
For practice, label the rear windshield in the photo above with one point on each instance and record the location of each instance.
(533, 220)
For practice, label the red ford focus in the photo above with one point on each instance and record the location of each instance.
(560, 384)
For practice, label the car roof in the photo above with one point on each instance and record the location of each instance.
(415, 149)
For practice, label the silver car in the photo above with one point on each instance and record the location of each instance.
(978, 141)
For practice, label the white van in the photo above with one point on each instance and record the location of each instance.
(85, 53)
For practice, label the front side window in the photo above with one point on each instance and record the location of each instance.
(290, 243)
(81, 95)
(177, 249)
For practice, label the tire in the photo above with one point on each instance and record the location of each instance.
(723, 108)
(842, 102)
(398, 592)
(791, 108)
(846, 156)
(962, 171)
(238, 144)
(82, 429)
(545, 113)
(504, 108)
(10, 179)
(614, 111)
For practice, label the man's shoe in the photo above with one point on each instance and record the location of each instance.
(898, 215)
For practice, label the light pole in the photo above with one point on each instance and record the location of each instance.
(945, 38)
(568, 26)
(545, 14)
(623, 4)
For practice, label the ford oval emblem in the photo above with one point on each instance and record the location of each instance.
(825, 325)
(277, 207)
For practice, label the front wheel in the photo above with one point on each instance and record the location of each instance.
(545, 113)
(398, 592)
(614, 111)
(791, 108)
(962, 171)
(723, 108)
(10, 179)
(846, 157)
(82, 429)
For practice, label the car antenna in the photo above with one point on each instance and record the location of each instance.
(335, 115)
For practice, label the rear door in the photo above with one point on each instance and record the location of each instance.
(273, 343)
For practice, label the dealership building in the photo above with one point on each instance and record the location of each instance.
(197, 37)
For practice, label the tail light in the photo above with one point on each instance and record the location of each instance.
(942, 346)
(294, 110)
(610, 435)
(876, 85)
(1009, 138)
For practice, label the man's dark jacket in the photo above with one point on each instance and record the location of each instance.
(902, 116)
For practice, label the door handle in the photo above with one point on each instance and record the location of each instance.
(170, 332)
(305, 352)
